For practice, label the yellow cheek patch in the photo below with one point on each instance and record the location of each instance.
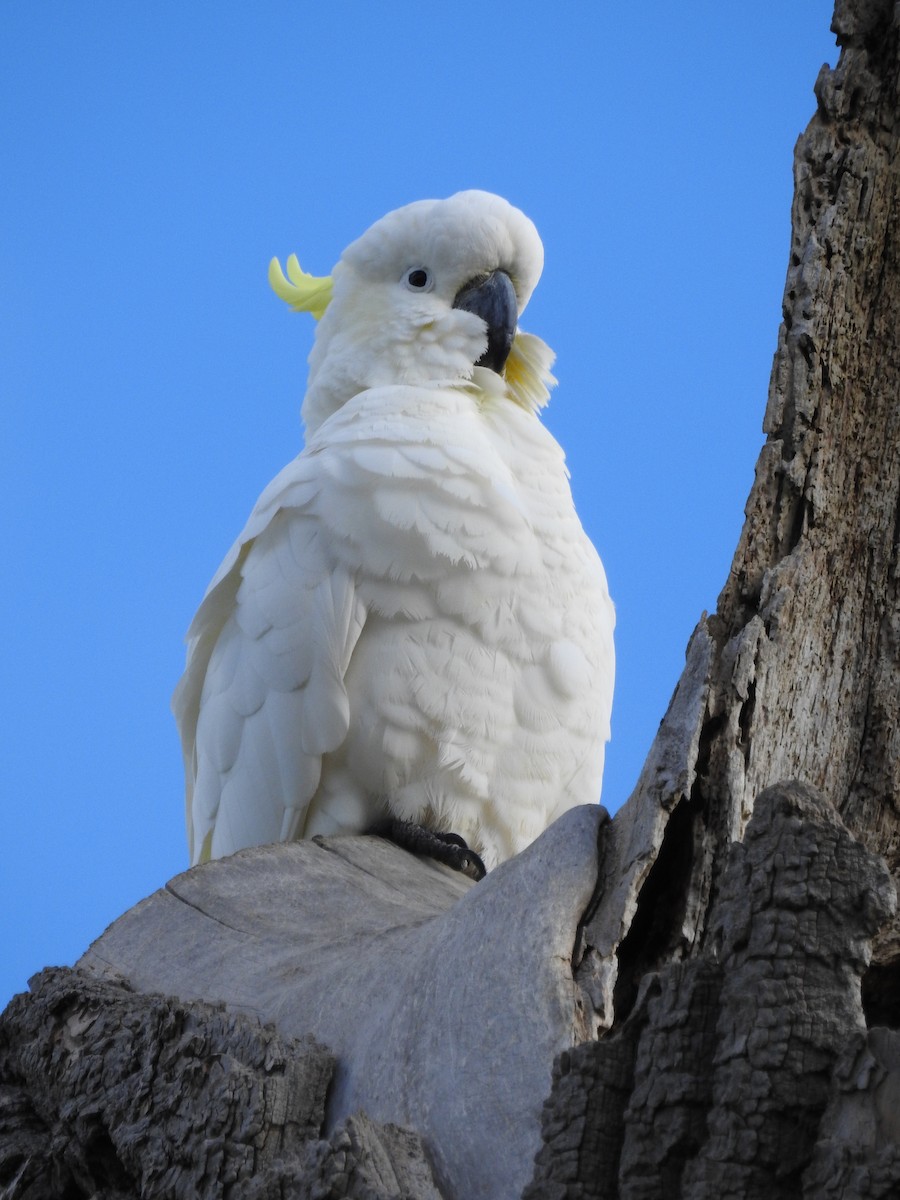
(527, 372)
(302, 291)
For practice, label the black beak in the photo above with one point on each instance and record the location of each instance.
(493, 298)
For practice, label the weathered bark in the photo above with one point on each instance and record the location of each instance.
(808, 625)
(735, 1072)
(717, 1083)
(116, 1095)
(797, 675)
(703, 983)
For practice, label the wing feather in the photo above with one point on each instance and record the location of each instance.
(263, 696)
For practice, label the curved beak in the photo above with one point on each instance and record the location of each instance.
(493, 298)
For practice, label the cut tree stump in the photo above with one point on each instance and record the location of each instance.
(444, 1003)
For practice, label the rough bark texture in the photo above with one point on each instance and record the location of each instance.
(808, 625)
(116, 1095)
(716, 1084)
(694, 995)
(797, 675)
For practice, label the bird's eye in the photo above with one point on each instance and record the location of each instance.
(417, 279)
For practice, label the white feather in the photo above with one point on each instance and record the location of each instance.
(413, 617)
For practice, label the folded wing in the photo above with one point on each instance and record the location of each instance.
(263, 696)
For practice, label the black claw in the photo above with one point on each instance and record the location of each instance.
(452, 839)
(459, 856)
(448, 848)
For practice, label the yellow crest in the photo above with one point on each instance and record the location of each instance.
(302, 291)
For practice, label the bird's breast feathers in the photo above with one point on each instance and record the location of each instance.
(459, 668)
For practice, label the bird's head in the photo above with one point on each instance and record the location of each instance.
(428, 294)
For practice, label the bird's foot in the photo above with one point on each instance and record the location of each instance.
(448, 848)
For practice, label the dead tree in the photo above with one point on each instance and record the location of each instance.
(698, 998)
(797, 675)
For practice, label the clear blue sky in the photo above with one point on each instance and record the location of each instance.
(155, 156)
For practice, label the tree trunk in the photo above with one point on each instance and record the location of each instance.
(744, 1072)
(797, 675)
(698, 996)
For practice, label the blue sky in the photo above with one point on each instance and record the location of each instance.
(155, 156)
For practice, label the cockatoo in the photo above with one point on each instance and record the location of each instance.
(413, 624)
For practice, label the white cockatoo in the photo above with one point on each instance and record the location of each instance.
(413, 624)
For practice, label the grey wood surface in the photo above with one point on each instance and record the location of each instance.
(445, 1003)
